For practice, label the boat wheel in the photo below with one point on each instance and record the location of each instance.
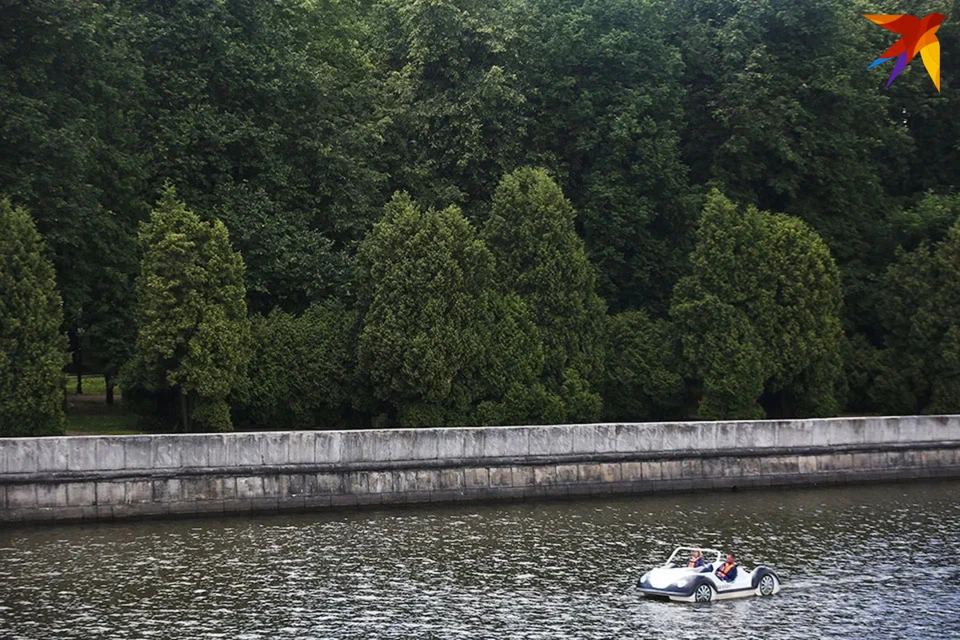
(767, 584)
(704, 593)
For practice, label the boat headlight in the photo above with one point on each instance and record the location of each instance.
(682, 582)
(645, 576)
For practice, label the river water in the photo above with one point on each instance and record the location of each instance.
(877, 561)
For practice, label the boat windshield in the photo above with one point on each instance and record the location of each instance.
(681, 555)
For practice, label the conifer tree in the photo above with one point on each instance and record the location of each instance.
(540, 257)
(193, 333)
(32, 349)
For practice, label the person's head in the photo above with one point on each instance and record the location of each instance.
(696, 554)
(730, 558)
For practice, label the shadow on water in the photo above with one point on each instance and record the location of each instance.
(883, 558)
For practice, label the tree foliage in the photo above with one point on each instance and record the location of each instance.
(760, 314)
(32, 349)
(193, 332)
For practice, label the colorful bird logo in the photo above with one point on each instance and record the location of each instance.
(918, 35)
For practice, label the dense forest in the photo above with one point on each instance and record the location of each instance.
(331, 213)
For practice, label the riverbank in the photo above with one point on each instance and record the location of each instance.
(108, 477)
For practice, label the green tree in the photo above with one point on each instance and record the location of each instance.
(540, 257)
(193, 333)
(759, 316)
(921, 314)
(643, 377)
(423, 276)
(32, 349)
(301, 368)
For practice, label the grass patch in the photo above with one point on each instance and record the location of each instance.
(92, 386)
(102, 425)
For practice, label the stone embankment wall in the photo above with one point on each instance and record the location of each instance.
(98, 478)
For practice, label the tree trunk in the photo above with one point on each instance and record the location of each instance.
(79, 370)
(109, 380)
(184, 412)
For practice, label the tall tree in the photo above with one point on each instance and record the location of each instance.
(32, 349)
(193, 333)
(423, 276)
(920, 310)
(540, 257)
(760, 315)
(605, 88)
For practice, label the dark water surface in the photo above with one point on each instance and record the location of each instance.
(878, 561)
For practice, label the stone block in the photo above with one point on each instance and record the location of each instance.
(368, 498)
(782, 465)
(606, 438)
(111, 492)
(182, 508)
(249, 487)
(545, 475)
(51, 454)
(523, 476)
(208, 507)
(104, 512)
(847, 431)
(274, 448)
(476, 477)
(79, 494)
(21, 496)
(165, 452)
(236, 505)
(271, 486)
(609, 472)
(380, 481)
(111, 452)
(356, 482)
(195, 451)
(19, 455)
(687, 436)
(357, 446)
(732, 467)
(405, 480)
(450, 443)
(343, 500)
(228, 488)
(644, 437)
(819, 432)
(726, 435)
(631, 471)
(568, 474)
(883, 430)
(81, 453)
(138, 452)
(292, 485)
(651, 470)
(753, 466)
(68, 514)
(327, 447)
(51, 495)
(421, 444)
(509, 442)
(89, 512)
(583, 438)
(428, 479)
(301, 448)
(671, 469)
(265, 504)
(547, 440)
(757, 435)
(138, 491)
(794, 433)
(244, 449)
(200, 488)
(712, 467)
(861, 461)
(807, 464)
(473, 443)
(501, 477)
(691, 468)
(167, 490)
(316, 502)
(451, 480)
(588, 473)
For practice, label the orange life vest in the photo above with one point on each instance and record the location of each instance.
(693, 562)
(725, 569)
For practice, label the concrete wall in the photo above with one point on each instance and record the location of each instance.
(79, 478)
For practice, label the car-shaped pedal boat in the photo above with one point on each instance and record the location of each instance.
(674, 580)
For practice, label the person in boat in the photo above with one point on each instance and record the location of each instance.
(728, 570)
(696, 560)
